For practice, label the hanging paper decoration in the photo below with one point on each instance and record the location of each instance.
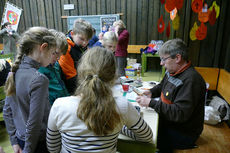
(216, 7)
(179, 4)
(169, 5)
(160, 24)
(162, 1)
(212, 17)
(204, 14)
(176, 22)
(193, 32)
(166, 9)
(173, 14)
(201, 32)
(197, 5)
(168, 30)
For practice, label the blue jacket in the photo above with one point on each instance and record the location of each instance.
(92, 41)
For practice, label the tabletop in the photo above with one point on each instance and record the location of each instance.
(149, 114)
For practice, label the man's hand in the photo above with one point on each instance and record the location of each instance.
(17, 148)
(143, 101)
(147, 93)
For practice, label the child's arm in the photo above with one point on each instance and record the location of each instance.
(39, 103)
(8, 118)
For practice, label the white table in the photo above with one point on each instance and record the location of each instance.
(149, 114)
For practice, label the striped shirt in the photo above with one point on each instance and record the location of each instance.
(67, 133)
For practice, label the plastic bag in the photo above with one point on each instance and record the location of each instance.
(221, 106)
(211, 116)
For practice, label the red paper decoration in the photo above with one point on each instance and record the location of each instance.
(201, 32)
(168, 30)
(160, 24)
(179, 4)
(170, 5)
(212, 17)
(162, 1)
(197, 5)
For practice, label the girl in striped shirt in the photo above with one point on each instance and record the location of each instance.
(92, 119)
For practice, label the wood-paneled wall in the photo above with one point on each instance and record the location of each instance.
(141, 18)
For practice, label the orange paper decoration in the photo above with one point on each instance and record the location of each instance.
(170, 5)
(173, 14)
(204, 14)
(179, 4)
(168, 30)
(197, 5)
(201, 32)
(212, 17)
(160, 24)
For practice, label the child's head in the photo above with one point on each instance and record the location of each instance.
(100, 35)
(119, 23)
(37, 42)
(62, 45)
(103, 65)
(96, 74)
(109, 40)
(118, 26)
(94, 31)
(82, 32)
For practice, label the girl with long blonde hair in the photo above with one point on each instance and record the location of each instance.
(91, 120)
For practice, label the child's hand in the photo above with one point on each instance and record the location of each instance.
(17, 149)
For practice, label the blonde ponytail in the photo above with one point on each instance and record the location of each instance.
(97, 107)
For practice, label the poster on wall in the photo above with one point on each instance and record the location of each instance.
(11, 14)
(97, 21)
(107, 23)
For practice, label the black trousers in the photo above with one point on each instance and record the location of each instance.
(169, 139)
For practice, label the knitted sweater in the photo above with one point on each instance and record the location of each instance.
(181, 104)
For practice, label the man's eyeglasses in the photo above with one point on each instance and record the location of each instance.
(164, 59)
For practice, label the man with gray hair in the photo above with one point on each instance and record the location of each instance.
(182, 98)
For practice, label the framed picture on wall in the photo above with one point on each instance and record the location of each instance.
(11, 14)
(107, 23)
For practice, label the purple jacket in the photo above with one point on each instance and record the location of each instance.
(122, 45)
